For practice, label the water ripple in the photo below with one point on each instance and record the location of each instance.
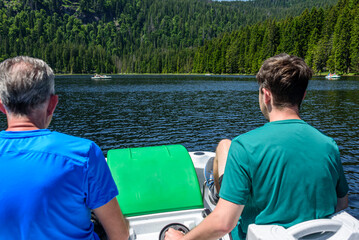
(197, 112)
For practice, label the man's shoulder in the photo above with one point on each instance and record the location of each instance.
(284, 130)
(70, 138)
(255, 133)
(69, 145)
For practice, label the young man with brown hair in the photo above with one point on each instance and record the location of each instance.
(284, 172)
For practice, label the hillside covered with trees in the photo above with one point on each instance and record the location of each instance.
(165, 36)
(328, 40)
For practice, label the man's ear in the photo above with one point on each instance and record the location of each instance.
(267, 95)
(54, 99)
(305, 93)
(2, 108)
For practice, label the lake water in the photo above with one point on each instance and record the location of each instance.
(197, 112)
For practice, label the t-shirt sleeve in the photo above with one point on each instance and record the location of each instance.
(236, 184)
(342, 185)
(101, 187)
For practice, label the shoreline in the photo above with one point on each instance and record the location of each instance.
(189, 74)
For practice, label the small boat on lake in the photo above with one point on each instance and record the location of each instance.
(165, 186)
(100, 77)
(332, 76)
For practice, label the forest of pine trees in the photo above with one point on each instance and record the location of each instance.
(187, 36)
(328, 40)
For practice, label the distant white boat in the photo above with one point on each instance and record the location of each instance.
(100, 77)
(331, 76)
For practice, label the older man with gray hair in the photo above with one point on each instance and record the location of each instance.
(49, 181)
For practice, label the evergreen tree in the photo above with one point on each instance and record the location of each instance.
(354, 43)
(174, 36)
(341, 42)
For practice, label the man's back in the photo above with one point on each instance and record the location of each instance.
(284, 173)
(48, 184)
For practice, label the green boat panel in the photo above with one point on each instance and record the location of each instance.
(154, 179)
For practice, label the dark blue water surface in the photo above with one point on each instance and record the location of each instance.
(197, 112)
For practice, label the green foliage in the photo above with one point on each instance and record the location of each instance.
(328, 40)
(341, 40)
(171, 36)
(354, 43)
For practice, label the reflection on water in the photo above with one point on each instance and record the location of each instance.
(198, 111)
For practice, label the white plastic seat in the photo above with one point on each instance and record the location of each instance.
(341, 226)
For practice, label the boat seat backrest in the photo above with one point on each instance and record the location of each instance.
(154, 179)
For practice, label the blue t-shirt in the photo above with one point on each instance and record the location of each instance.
(49, 182)
(284, 173)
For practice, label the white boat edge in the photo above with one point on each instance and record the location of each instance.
(341, 226)
(102, 77)
(152, 226)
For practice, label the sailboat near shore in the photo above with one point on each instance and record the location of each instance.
(332, 76)
(100, 77)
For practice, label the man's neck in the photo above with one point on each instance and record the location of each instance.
(284, 114)
(29, 122)
(21, 124)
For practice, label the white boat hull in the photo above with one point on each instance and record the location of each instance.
(332, 77)
(101, 78)
(150, 227)
(341, 226)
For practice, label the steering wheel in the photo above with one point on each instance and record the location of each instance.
(176, 226)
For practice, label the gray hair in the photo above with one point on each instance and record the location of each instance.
(25, 84)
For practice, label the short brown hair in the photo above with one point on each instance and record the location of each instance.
(286, 77)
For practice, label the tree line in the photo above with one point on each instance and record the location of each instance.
(145, 36)
(328, 40)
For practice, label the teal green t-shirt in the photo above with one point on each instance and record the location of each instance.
(284, 173)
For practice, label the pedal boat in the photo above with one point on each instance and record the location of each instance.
(164, 186)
